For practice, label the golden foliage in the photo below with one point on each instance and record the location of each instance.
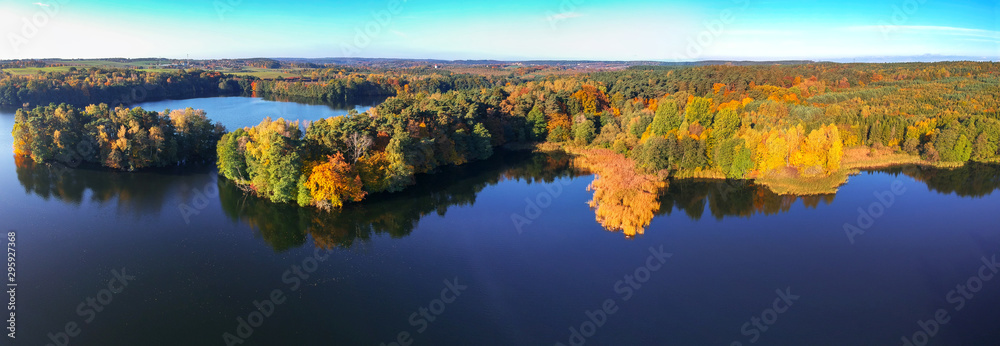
(334, 182)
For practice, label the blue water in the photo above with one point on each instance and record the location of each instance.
(238, 112)
(390, 256)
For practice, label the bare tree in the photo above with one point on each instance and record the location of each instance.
(357, 145)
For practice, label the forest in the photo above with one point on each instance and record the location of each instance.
(797, 124)
(798, 129)
(119, 138)
(82, 87)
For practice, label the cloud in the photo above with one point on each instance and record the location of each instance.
(765, 32)
(41, 4)
(928, 29)
(563, 16)
(399, 33)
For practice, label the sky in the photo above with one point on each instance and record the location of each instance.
(664, 30)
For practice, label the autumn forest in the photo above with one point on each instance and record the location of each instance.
(798, 129)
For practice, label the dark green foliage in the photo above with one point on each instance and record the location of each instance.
(694, 153)
(481, 147)
(638, 125)
(115, 86)
(584, 132)
(987, 144)
(653, 155)
(726, 152)
(538, 124)
(953, 145)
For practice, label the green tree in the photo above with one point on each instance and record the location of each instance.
(983, 149)
(947, 144)
(231, 158)
(639, 124)
(667, 118)
(694, 153)
(963, 149)
(727, 122)
(536, 120)
(482, 145)
(742, 163)
(584, 133)
(725, 153)
(699, 110)
(400, 173)
(653, 155)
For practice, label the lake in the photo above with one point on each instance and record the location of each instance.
(501, 252)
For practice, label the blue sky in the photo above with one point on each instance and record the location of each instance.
(512, 29)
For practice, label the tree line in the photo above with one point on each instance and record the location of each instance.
(87, 86)
(741, 122)
(668, 121)
(119, 138)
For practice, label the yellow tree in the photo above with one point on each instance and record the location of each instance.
(810, 158)
(334, 182)
(836, 152)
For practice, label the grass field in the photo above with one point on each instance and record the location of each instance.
(267, 73)
(149, 66)
(101, 63)
(35, 70)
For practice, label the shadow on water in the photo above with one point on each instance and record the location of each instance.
(285, 226)
(739, 198)
(363, 101)
(729, 198)
(134, 193)
(972, 180)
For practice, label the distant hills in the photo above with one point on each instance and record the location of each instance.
(915, 58)
(289, 62)
(566, 63)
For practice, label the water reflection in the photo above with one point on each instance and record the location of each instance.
(356, 102)
(729, 198)
(134, 193)
(971, 180)
(623, 200)
(285, 226)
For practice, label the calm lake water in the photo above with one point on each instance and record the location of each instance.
(445, 263)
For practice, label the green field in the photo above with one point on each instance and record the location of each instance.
(150, 66)
(36, 70)
(264, 73)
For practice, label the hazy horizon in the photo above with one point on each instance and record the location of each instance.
(511, 31)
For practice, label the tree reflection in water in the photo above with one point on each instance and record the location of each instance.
(134, 193)
(972, 180)
(285, 226)
(621, 202)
